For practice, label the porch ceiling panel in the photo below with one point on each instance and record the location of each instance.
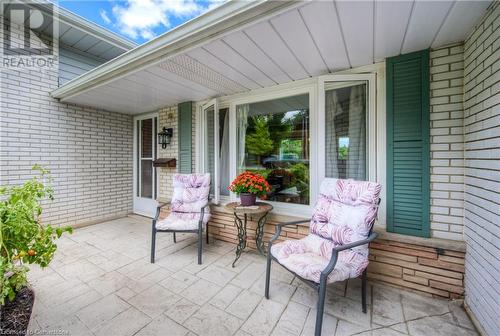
(279, 43)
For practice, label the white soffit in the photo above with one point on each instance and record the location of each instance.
(295, 41)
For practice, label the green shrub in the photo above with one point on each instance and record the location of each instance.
(23, 239)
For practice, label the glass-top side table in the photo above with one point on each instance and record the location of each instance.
(241, 214)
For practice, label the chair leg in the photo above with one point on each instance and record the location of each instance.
(321, 306)
(175, 238)
(200, 242)
(268, 273)
(153, 242)
(206, 228)
(363, 291)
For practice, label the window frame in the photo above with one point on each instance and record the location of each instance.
(373, 74)
(371, 121)
(202, 166)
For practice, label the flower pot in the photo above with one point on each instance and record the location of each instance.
(247, 199)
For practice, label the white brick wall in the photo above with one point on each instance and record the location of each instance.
(88, 151)
(446, 142)
(167, 117)
(482, 171)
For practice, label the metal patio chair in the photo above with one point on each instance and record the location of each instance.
(336, 248)
(189, 211)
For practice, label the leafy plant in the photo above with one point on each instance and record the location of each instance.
(23, 239)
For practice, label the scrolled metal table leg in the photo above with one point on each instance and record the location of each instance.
(259, 234)
(241, 225)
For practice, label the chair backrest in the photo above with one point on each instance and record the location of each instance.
(191, 192)
(345, 210)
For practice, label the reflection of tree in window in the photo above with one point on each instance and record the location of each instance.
(277, 146)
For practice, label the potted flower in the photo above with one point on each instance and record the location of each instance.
(23, 241)
(248, 186)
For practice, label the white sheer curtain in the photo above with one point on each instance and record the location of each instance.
(224, 157)
(242, 116)
(332, 109)
(356, 160)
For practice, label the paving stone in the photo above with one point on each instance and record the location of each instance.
(162, 325)
(264, 317)
(247, 277)
(57, 295)
(306, 296)
(70, 325)
(278, 291)
(110, 260)
(244, 304)
(126, 323)
(416, 306)
(347, 309)
(437, 326)
(109, 282)
(353, 290)
(82, 269)
(212, 321)
(292, 320)
(387, 308)
(207, 259)
(154, 300)
(328, 328)
(181, 310)
(102, 311)
(201, 291)
(401, 327)
(149, 280)
(225, 296)
(138, 269)
(217, 274)
(345, 328)
(381, 332)
(459, 315)
(179, 281)
(125, 293)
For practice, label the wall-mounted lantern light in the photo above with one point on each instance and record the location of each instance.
(165, 136)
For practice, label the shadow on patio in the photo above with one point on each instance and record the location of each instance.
(102, 283)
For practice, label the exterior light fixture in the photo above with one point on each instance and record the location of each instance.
(165, 136)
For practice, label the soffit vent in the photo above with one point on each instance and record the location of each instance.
(191, 69)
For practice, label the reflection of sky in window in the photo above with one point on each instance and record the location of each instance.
(343, 142)
(290, 114)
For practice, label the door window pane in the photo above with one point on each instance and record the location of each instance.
(345, 129)
(147, 178)
(147, 138)
(273, 140)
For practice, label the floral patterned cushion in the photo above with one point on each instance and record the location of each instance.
(344, 213)
(308, 256)
(190, 192)
(182, 221)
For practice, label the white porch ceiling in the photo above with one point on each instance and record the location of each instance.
(299, 41)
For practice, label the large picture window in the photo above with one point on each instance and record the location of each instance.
(273, 140)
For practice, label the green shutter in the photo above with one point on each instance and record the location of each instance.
(408, 168)
(184, 134)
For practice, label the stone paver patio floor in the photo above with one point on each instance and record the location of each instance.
(102, 283)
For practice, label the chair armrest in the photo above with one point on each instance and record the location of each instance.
(335, 252)
(158, 209)
(279, 226)
(202, 213)
(371, 237)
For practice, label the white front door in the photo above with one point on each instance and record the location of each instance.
(145, 175)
